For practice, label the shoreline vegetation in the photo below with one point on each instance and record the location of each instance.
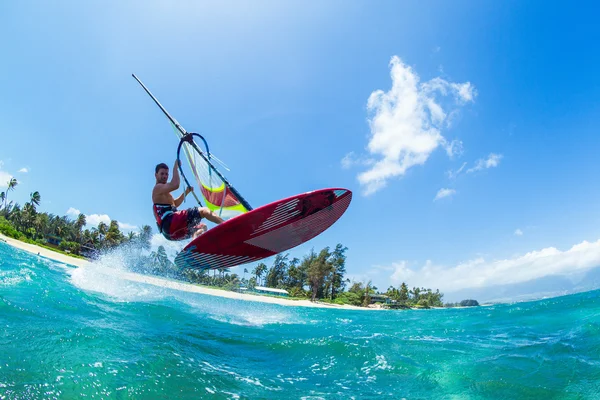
(316, 280)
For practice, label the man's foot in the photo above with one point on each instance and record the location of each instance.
(200, 229)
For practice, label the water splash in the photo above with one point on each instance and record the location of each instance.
(112, 276)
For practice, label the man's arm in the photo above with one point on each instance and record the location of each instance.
(175, 178)
(179, 199)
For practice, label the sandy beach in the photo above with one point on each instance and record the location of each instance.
(168, 283)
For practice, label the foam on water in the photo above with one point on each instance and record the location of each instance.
(14, 277)
(111, 276)
(110, 282)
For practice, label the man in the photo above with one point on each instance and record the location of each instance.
(174, 224)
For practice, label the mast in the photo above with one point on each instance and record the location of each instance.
(173, 120)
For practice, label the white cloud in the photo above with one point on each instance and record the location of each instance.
(95, 219)
(518, 232)
(406, 122)
(466, 91)
(483, 163)
(444, 193)
(401, 272)
(24, 170)
(454, 174)
(73, 212)
(454, 148)
(492, 161)
(351, 160)
(127, 227)
(347, 160)
(92, 221)
(479, 273)
(5, 177)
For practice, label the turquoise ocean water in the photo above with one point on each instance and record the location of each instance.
(75, 333)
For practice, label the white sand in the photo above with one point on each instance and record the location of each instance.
(172, 284)
(78, 262)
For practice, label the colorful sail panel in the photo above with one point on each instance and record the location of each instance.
(216, 194)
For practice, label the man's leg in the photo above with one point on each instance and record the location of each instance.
(205, 212)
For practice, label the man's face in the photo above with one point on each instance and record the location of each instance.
(162, 175)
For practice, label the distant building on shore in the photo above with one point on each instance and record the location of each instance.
(268, 290)
(379, 298)
(53, 240)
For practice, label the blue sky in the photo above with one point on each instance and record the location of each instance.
(466, 130)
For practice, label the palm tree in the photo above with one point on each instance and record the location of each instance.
(113, 235)
(12, 183)
(155, 260)
(41, 224)
(224, 273)
(35, 199)
(15, 216)
(28, 215)
(80, 222)
(259, 270)
(78, 225)
(102, 230)
(2, 197)
(163, 260)
(145, 237)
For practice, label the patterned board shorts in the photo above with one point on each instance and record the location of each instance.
(182, 224)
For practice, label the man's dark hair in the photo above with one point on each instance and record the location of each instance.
(159, 166)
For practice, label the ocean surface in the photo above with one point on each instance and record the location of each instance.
(69, 333)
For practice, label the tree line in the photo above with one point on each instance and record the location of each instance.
(27, 223)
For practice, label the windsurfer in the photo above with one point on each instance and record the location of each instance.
(172, 223)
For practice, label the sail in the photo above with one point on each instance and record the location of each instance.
(216, 193)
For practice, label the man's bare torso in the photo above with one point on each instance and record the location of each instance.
(162, 198)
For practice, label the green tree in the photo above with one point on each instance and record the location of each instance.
(11, 185)
(113, 237)
(161, 264)
(277, 273)
(357, 287)
(145, 237)
(403, 295)
(318, 269)
(338, 269)
(100, 234)
(258, 271)
(367, 298)
(35, 199)
(41, 224)
(296, 276)
(415, 294)
(79, 224)
(27, 220)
